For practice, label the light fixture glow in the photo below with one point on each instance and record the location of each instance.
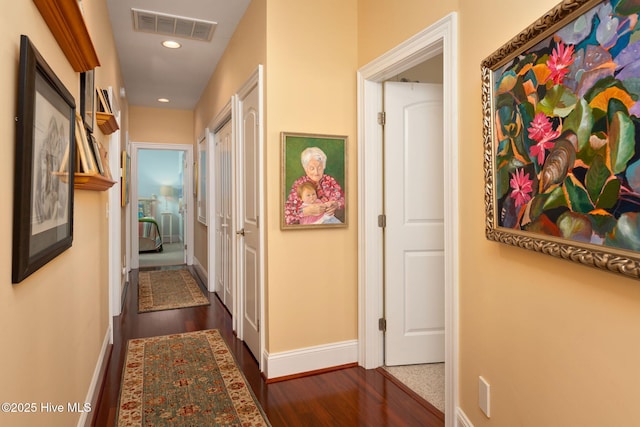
(163, 100)
(170, 44)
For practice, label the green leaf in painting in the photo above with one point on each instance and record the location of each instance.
(596, 177)
(575, 226)
(556, 199)
(506, 82)
(559, 101)
(632, 84)
(614, 106)
(602, 224)
(626, 234)
(610, 195)
(578, 197)
(580, 121)
(621, 141)
(627, 7)
(509, 121)
(633, 176)
(502, 181)
(602, 85)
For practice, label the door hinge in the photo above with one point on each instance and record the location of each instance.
(382, 118)
(382, 220)
(258, 325)
(382, 324)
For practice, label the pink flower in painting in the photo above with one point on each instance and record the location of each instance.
(522, 188)
(541, 131)
(561, 58)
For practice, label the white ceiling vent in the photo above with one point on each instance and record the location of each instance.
(178, 26)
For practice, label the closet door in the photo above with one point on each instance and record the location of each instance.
(223, 216)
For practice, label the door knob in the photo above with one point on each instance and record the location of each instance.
(240, 232)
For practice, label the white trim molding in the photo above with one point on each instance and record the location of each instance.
(310, 359)
(461, 419)
(201, 272)
(96, 379)
(187, 191)
(439, 38)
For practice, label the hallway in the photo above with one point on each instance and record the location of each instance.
(346, 397)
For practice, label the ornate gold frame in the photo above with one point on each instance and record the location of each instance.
(622, 261)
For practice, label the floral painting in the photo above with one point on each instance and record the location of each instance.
(562, 131)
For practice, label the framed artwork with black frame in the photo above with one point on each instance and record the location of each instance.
(87, 98)
(44, 165)
(314, 174)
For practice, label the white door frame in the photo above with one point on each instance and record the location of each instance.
(441, 37)
(116, 273)
(255, 80)
(187, 192)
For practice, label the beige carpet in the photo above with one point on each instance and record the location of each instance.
(426, 380)
(172, 254)
(168, 289)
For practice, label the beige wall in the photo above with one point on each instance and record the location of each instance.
(245, 51)
(384, 24)
(160, 125)
(311, 87)
(558, 342)
(53, 323)
(309, 53)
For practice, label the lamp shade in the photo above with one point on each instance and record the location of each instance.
(166, 190)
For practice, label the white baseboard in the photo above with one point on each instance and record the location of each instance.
(310, 359)
(202, 273)
(95, 380)
(461, 419)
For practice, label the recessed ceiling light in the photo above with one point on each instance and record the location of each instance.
(170, 44)
(163, 100)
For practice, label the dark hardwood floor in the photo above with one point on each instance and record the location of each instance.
(351, 396)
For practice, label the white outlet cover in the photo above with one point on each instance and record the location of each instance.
(484, 396)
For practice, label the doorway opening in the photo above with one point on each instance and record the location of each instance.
(413, 235)
(439, 39)
(160, 208)
(161, 197)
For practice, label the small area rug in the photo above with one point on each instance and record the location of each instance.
(168, 289)
(188, 379)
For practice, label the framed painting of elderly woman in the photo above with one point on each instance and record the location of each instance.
(314, 172)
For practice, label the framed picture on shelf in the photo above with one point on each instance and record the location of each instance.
(561, 131)
(87, 99)
(313, 181)
(44, 165)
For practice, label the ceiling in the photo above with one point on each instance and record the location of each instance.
(151, 71)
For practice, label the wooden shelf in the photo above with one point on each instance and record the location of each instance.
(88, 181)
(67, 25)
(106, 122)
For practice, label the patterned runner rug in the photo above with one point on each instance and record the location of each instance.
(168, 289)
(188, 379)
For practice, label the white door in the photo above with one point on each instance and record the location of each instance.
(223, 216)
(414, 233)
(249, 212)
